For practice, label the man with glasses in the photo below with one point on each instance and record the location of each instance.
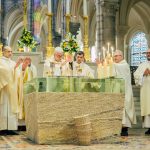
(122, 70)
(8, 91)
(142, 78)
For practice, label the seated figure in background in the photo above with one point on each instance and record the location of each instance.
(53, 66)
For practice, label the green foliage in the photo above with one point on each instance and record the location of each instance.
(27, 39)
(70, 44)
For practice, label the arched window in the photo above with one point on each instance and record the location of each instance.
(138, 46)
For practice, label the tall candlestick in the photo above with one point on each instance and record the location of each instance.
(108, 46)
(84, 7)
(49, 6)
(104, 53)
(67, 6)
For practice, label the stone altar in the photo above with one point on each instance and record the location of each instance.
(49, 114)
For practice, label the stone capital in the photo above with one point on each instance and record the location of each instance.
(109, 7)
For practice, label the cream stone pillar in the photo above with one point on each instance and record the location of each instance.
(120, 35)
(148, 39)
(106, 20)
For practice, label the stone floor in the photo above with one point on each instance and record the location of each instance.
(136, 141)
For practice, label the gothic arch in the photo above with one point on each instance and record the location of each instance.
(129, 23)
(132, 31)
(13, 23)
(12, 18)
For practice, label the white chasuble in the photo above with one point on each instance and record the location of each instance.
(122, 70)
(8, 95)
(82, 70)
(144, 82)
(53, 68)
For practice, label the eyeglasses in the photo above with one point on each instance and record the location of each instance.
(8, 51)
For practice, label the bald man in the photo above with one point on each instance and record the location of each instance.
(53, 66)
(122, 70)
(142, 78)
(8, 91)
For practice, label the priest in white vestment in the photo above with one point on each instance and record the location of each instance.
(53, 66)
(78, 67)
(8, 91)
(142, 78)
(122, 70)
(27, 71)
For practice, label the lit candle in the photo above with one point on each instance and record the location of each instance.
(104, 53)
(67, 6)
(49, 6)
(84, 7)
(112, 51)
(108, 47)
(116, 42)
(99, 70)
(105, 68)
(99, 56)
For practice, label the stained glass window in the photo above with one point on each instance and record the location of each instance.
(138, 46)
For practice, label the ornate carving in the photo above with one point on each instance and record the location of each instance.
(109, 7)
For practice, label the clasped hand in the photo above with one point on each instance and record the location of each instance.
(147, 72)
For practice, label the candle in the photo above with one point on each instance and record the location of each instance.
(84, 7)
(99, 70)
(112, 51)
(99, 56)
(49, 6)
(105, 68)
(104, 53)
(116, 42)
(108, 46)
(67, 6)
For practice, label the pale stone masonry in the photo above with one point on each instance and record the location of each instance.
(49, 115)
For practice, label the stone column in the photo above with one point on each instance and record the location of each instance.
(106, 20)
(30, 16)
(120, 35)
(148, 39)
(63, 20)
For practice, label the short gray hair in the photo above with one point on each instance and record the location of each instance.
(118, 52)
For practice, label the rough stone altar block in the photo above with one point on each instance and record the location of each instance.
(49, 115)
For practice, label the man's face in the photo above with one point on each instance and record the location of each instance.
(28, 61)
(7, 53)
(58, 56)
(148, 56)
(79, 58)
(118, 58)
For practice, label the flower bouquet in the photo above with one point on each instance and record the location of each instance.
(27, 40)
(69, 46)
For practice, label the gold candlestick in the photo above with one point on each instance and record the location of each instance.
(25, 13)
(49, 48)
(85, 40)
(1, 53)
(68, 16)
